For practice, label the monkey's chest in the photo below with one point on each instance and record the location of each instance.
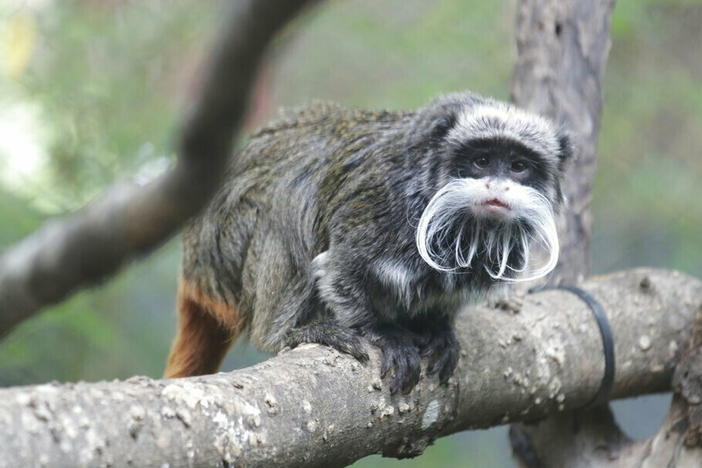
(414, 290)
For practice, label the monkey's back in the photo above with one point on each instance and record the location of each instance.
(252, 247)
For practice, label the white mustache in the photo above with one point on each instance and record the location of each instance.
(450, 205)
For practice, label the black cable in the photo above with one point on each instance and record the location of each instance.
(598, 311)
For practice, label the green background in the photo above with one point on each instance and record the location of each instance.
(91, 93)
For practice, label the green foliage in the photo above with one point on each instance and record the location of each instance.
(107, 79)
(646, 195)
(400, 53)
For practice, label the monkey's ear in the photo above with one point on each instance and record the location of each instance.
(565, 149)
(442, 125)
(436, 120)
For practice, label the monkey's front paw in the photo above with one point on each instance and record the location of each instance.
(400, 355)
(328, 333)
(442, 349)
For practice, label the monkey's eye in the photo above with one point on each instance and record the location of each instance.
(481, 162)
(518, 166)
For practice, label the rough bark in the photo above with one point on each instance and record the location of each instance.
(679, 441)
(127, 221)
(522, 360)
(585, 439)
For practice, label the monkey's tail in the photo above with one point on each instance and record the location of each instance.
(205, 331)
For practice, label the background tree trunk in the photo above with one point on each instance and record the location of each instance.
(562, 51)
(562, 48)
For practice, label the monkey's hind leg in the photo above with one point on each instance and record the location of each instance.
(206, 330)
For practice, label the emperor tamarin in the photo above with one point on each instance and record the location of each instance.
(335, 225)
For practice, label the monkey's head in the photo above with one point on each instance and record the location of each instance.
(493, 186)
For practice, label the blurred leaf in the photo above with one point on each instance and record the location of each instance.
(18, 43)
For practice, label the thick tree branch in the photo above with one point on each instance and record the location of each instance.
(591, 438)
(69, 254)
(523, 359)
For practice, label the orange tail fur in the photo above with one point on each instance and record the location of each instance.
(206, 330)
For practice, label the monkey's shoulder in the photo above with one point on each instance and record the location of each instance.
(328, 117)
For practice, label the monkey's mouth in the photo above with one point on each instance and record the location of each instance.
(495, 203)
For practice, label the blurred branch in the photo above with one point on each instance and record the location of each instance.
(315, 407)
(127, 221)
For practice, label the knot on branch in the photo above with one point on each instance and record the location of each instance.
(687, 383)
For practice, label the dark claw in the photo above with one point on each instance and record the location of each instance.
(400, 355)
(442, 349)
(406, 366)
(331, 334)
